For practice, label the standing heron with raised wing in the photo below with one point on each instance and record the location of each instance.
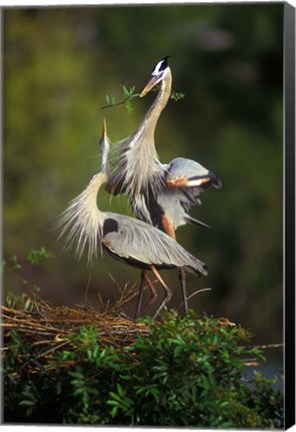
(126, 239)
(160, 194)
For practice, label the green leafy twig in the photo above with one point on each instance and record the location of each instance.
(176, 96)
(128, 95)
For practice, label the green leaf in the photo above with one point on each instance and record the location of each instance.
(114, 411)
(112, 402)
(119, 390)
(27, 403)
(38, 255)
(115, 396)
(128, 105)
(125, 92)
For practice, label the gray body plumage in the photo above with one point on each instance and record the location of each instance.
(180, 167)
(125, 238)
(142, 245)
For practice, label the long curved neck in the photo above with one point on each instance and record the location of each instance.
(139, 166)
(150, 120)
(82, 221)
(88, 198)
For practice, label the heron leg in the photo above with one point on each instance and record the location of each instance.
(168, 292)
(182, 278)
(140, 296)
(169, 229)
(144, 275)
(153, 292)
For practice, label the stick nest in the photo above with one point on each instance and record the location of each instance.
(48, 329)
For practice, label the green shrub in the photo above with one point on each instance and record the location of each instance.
(189, 371)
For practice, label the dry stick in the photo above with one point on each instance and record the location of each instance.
(38, 326)
(44, 353)
(42, 342)
(198, 291)
(193, 294)
(251, 363)
(125, 295)
(121, 300)
(5, 308)
(87, 290)
(33, 327)
(279, 345)
(40, 302)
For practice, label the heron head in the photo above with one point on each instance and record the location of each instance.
(157, 74)
(104, 147)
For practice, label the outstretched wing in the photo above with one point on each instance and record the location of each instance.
(186, 173)
(132, 239)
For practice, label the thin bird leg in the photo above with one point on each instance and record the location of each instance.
(169, 229)
(153, 293)
(140, 296)
(182, 278)
(168, 292)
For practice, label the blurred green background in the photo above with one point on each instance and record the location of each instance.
(59, 63)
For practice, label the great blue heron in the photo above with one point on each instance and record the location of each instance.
(160, 194)
(125, 238)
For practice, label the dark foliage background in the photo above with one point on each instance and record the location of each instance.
(59, 63)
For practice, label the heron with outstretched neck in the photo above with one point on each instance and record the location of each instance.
(160, 194)
(125, 238)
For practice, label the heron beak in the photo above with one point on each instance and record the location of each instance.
(152, 83)
(104, 131)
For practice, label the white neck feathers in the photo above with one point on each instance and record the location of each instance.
(82, 221)
(141, 165)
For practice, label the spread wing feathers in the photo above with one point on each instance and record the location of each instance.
(175, 204)
(191, 220)
(144, 243)
(181, 172)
